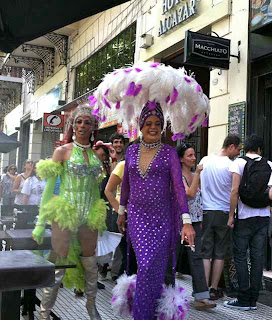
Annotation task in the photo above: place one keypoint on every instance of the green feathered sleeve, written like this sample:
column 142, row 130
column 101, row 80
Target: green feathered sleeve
column 50, row 170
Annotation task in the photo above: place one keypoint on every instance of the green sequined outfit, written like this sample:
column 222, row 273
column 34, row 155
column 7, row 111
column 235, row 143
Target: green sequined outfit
column 78, row 203
column 79, row 199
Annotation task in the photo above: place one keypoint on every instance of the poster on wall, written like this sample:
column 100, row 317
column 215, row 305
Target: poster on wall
column 236, row 117
column 261, row 14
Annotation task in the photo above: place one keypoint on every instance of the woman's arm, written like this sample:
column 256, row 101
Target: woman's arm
column 26, row 199
column 111, row 187
column 16, row 184
column 192, row 189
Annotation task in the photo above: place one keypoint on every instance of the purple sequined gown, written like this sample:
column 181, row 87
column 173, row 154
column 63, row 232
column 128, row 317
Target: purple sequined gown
column 152, row 221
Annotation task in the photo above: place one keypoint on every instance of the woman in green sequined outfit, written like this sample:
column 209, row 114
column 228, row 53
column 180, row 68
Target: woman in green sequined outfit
column 76, row 215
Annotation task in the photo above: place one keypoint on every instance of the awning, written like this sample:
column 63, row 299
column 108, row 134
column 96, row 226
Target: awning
column 25, row 20
column 7, row 144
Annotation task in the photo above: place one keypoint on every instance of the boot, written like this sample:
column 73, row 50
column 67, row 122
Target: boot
column 50, row 295
column 91, row 276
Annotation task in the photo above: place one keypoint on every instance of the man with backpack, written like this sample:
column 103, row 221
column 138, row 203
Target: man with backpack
column 251, row 176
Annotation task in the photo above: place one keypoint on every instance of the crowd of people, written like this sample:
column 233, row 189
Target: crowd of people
column 157, row 197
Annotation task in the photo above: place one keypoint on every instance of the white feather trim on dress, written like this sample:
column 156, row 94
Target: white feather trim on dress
column 126, row 91
column 123, row 295
column 173, row 304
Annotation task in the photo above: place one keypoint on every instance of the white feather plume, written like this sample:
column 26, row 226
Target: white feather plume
column 126, row 90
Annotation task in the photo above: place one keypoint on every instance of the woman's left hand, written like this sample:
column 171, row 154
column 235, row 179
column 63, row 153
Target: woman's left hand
column 188, row 234
column 112, row 152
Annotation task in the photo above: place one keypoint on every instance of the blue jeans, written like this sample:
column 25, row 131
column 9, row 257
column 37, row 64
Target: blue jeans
column 249, row 233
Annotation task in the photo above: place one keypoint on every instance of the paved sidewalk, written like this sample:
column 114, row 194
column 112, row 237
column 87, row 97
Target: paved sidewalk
column 70, row 308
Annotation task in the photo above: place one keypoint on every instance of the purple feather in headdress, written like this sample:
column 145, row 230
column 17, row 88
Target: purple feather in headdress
column 95, row 112
column 127, row 70
column 137, row 90
column 106, row 103
column 167, row 99
column 187, row 79
column 106, row 92
column 118, row 105
column 198, row 88
column 93, row 100
column 174, row 96
column 193, row 121
column 130, row 89
column 205, row 122
column 138, row 69
column 103, row 119
column 155, row 65
column 152, row 105
column 177, row 136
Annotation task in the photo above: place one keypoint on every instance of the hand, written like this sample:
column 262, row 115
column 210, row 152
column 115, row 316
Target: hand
column 121, row 223
column 112, row 152
column 231, row 222
column 199, row 168
column 188, row 234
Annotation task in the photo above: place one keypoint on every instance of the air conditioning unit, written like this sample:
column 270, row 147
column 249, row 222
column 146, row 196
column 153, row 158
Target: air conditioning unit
column 146, row 41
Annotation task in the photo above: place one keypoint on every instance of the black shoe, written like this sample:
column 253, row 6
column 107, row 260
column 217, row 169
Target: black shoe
column 253, row 305
column 78, row 293
column 100, row 285
column 235, row 304
column 214, row 294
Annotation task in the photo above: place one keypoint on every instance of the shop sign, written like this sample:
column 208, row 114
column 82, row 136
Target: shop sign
column 206, row 51
column 261, row 13
column 53, row 122
column 176, row 12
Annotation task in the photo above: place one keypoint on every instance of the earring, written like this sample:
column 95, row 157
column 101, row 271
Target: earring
column 92, row 137
column 73, row 136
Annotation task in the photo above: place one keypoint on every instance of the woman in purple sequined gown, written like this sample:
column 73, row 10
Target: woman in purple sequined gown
column 154, row 196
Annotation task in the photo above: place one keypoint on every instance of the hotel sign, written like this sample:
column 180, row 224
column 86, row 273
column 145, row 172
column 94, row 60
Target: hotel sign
column 206, row 51
column 176, row 12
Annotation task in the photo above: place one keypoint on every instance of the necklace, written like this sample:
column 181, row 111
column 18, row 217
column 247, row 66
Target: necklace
column 150, row 145
column 83, row 147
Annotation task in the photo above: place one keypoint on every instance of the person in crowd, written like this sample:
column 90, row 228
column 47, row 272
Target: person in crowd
column 150, row 168
column 6, row 186
column 33, row 188
column 216, row 181
column 20, row 180
column 249, row 227
column 31, row 191
column 147, row 95
column 118, row 143
column 77, row 214
column 113, row 194
column 102, row 151
column 191, row 182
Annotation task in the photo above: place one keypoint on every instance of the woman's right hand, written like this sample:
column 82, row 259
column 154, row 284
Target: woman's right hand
column 121, row 223
column 199, row 168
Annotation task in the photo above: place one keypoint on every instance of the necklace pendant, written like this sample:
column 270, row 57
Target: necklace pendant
column 82, row 147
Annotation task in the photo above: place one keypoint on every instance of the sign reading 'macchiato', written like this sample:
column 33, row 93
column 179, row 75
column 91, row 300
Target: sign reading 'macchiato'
column 177, row 11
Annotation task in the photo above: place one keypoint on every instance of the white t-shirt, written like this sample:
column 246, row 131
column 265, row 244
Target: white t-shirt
column 34, row 187
column 244, row 211
column 216, row 181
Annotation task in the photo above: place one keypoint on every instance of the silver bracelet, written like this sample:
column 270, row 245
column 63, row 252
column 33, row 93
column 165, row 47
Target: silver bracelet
column 121, row 210
column 186, row 219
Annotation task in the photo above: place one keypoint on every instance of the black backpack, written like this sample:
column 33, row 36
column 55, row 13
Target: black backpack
column 253, row 186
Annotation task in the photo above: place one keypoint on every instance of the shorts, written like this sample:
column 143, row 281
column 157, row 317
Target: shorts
column 216, row 239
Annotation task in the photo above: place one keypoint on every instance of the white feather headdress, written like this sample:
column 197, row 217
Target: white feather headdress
column 125, row 91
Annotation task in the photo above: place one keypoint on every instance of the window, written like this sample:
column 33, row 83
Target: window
column 118, row 53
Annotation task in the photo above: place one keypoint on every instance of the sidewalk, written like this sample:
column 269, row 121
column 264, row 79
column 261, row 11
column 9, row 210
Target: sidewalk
column 70, row 308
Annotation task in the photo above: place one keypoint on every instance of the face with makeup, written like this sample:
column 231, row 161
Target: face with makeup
column 151, row 129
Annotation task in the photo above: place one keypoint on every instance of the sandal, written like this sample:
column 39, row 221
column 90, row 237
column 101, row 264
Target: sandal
column 204, row 304
column 214, row 294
